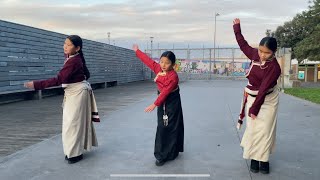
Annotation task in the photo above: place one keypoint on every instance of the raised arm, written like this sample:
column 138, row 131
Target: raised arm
column 155, row 67
column 249, row 51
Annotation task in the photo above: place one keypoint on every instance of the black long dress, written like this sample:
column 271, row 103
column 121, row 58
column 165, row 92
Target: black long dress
column 169, row 139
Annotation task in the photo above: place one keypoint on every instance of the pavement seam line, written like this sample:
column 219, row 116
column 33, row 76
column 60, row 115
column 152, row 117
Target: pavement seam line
column 237, row 132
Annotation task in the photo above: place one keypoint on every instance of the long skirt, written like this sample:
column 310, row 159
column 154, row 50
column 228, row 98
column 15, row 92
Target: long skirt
column 259, row 138
column 78, row 133
column 170, row 137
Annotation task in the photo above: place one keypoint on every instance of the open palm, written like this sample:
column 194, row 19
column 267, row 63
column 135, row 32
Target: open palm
column 236, row 21
column 135, row 47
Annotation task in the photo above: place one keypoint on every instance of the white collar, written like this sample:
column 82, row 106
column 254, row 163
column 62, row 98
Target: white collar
column 70, row 57
column 73, row 55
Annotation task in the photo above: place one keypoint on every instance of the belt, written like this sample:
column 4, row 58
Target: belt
column 172, row 90
column 256, row 95
column 175, row 89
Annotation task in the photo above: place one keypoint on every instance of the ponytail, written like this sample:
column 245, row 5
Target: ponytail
column 77, row 41
column 85, row 69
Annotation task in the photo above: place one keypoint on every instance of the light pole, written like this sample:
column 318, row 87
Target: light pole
column 109, row 37
column 158, row 50
column 214, row 40
column 151, row 44
column 151, row 41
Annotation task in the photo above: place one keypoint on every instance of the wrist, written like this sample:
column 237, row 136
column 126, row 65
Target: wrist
column 253, row 112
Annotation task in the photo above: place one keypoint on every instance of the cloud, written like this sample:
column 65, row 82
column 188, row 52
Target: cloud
column 180, row 21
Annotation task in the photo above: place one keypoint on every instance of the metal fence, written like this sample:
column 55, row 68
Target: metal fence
column 207, row 63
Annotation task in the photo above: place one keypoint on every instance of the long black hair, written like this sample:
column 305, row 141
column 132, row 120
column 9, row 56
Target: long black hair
column 77, row 41
column 170, row 55
column 270, row 43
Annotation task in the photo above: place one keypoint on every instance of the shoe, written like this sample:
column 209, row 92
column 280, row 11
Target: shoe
column 254, row 167
column 75, row 159
column 160, row 162
column 264, row 167
column 66, row 157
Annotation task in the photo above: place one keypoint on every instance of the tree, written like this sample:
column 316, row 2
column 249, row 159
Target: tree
column 269, row 33
column 302, row 26
column 293, row 31
column 309, row 48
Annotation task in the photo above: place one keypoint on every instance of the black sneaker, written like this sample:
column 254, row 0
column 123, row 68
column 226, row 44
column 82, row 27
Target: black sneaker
column 75, row 159
column 254, row 167
column 264, row 167
column 160, row 162
column 66, row 157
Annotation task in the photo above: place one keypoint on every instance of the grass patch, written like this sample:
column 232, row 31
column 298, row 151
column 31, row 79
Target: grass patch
column 310, row 94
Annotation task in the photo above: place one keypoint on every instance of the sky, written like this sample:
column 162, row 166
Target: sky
column 177, row 23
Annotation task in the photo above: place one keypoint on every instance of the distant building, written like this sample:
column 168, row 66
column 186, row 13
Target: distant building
column 306, row 71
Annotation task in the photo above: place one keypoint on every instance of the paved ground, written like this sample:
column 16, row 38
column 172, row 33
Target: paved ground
column 30, row 122
column 212, row 150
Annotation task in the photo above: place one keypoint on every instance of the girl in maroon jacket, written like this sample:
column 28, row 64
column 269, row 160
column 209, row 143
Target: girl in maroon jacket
column 261, row 99
column 79, row 107
column 170, row 129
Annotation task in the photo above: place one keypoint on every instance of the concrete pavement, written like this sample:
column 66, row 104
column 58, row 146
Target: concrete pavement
column 126, row 140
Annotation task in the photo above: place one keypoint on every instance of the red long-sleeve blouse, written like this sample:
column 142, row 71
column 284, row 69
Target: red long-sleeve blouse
column 166, row 84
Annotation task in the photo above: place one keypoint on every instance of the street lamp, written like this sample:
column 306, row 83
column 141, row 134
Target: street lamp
column 151, row 41
column 214, row 40
column 109, row 37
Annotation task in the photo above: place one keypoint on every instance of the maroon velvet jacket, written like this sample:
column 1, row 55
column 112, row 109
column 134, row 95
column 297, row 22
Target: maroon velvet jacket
column 166, row 84
column 72, row 72
column 261, row 78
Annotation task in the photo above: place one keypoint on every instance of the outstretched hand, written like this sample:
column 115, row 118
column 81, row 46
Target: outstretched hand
column 236, row 21
column 150, row 108
column 135, row 47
